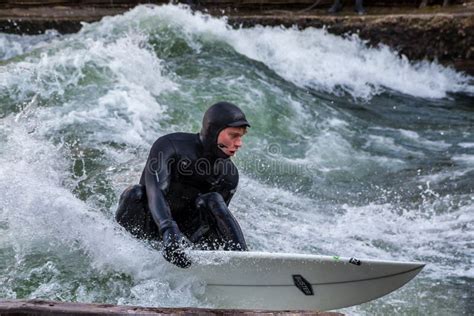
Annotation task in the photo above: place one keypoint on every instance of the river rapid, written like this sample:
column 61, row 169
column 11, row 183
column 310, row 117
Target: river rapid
column 353, row 151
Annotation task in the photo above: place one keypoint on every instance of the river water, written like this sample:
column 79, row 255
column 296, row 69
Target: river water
column 353, row 151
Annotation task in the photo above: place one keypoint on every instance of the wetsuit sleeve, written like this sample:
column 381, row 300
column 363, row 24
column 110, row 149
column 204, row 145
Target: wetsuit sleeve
column 228, row 195
column 157, row 178
column 231, row 186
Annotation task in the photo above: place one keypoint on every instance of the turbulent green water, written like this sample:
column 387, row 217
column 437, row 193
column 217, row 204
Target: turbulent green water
column 352, row 152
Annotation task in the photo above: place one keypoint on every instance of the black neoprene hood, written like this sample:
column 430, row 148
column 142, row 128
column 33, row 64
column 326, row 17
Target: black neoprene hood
column 216, row 118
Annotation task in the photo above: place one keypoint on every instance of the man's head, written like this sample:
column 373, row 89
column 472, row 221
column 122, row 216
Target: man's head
column 223, row 126
column 230, row 139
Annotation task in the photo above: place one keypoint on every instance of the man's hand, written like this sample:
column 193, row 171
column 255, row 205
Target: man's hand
column 174, row 244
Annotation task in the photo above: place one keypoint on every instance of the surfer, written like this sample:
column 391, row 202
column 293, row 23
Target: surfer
column 186, row 187
column 337, row 6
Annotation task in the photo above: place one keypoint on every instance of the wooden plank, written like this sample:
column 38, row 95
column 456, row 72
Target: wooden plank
column 43, row 307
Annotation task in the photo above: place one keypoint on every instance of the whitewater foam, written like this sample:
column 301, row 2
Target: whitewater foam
column 12, row 45
column 311, row 58
column 42, row 216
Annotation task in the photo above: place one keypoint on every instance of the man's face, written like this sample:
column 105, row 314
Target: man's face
column 230, row 139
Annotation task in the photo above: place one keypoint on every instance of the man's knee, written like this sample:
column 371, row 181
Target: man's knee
column 215, row 197
column 134, row 192
column 131, row 198
column 213, row 201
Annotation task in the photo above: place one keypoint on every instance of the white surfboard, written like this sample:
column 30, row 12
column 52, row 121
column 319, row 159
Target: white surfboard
column 277, row 281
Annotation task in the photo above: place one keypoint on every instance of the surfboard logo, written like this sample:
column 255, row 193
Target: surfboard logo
column 355, row 261
column 303, row 284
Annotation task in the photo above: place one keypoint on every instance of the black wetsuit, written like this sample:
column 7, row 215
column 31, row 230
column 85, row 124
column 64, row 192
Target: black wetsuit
column 185, row 189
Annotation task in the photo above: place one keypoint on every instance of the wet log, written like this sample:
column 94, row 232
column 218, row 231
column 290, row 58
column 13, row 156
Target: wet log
column 43, row 307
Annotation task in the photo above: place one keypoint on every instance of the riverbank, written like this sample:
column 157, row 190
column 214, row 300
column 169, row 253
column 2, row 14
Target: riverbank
column 445, row 34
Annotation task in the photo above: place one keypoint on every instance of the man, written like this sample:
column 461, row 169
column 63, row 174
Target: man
column 337, row 6
column 186, row 187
